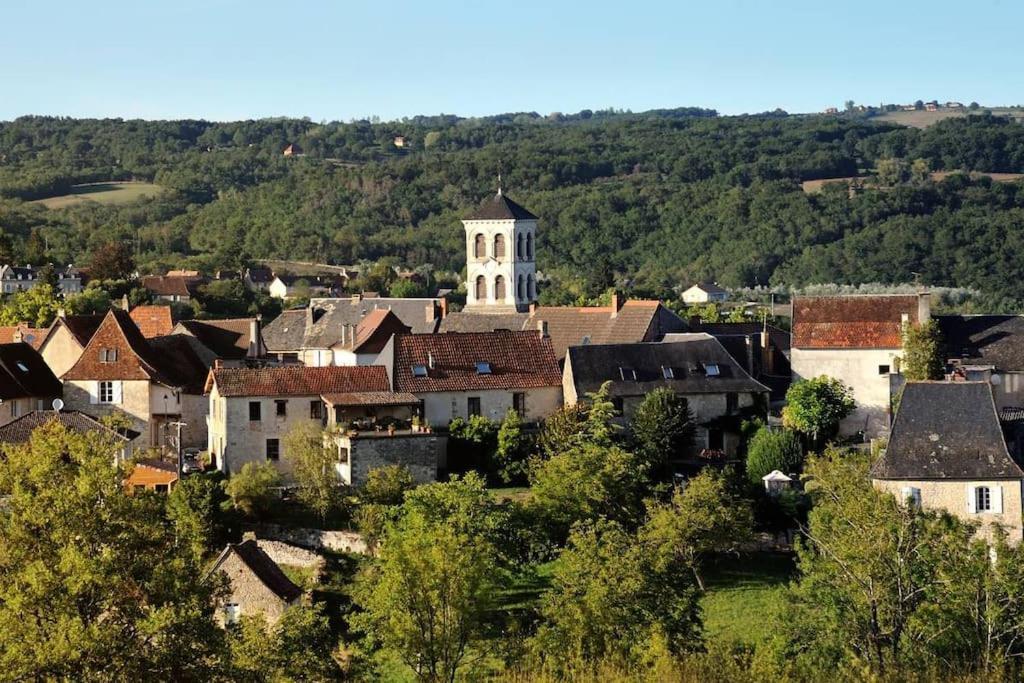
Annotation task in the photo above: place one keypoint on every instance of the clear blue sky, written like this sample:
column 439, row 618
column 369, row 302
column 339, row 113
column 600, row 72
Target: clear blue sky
column 229, row 59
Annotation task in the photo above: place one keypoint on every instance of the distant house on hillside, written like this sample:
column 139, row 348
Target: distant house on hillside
column 19, row 278
column 292, row 150
column 258, row 278
column 704, row 293
column 286, row 286
column 400, row 141
column 173, row 289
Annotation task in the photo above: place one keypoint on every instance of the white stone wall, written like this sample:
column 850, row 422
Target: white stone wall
column 859, row 370
column 61, row 351
column 135, row 403
column 440, row 408
column 14, row 408
column 510, row 266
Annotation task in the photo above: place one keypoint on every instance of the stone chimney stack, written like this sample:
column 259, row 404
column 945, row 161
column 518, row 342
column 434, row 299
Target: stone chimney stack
column 617, row 302
column 255, row 337
column 924, row 307
column 124, row 303
column 542, row 328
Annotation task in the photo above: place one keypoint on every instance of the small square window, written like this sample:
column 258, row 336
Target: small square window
column 627, row 374
column 473, row 406
column 883, row 369
column 255, row 411
column 281, row 408
column 273, row 449
column 668, row 373
column 712, row 369
column 483, row 368
column 419, row 371
column 316, row 410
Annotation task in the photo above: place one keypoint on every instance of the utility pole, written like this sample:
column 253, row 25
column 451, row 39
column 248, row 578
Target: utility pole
column 177, row 444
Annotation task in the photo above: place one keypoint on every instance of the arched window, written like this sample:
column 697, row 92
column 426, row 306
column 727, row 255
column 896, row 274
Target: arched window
column 480, row 248
column 531, row 286
column 499, row 246
column 520, row 248
column 529, row 246
column 499, row 288
column 522, row 283
column 481, row 288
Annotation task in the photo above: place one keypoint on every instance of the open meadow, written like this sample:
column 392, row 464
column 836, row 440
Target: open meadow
column 116, row 193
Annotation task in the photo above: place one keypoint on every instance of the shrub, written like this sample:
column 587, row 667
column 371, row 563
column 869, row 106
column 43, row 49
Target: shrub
column 773, row 449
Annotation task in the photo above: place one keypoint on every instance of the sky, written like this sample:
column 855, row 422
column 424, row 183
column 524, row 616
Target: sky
column 335, row 61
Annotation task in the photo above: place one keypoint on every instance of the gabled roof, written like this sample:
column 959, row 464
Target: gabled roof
column 709, row 288
column 375, row 330
column 228, row 338
column 24, row 373
column 851, row 322
column 984, row 340
column 30, row 335
column 166, row 285
column 517, row 360
column 286, row 332
column 946, row 430
column 501, row 208
column 263, row 568
column 637, row 320
column 152, row 321
column 687, row 362
column 81, row 327
column 20, row 430
column 297, row 380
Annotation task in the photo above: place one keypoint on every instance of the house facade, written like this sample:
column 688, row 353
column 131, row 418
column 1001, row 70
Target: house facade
column 256, row 585
column 859, row 341
column 947, row 452
column 65, row 340
column 26, row 382
column 705, row 293
column 19, row 278
column 170, row 288
column 720, row 393
column 477, row 373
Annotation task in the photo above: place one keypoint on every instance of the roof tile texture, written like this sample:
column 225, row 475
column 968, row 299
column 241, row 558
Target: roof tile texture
column 851, row 322
column 298, row 380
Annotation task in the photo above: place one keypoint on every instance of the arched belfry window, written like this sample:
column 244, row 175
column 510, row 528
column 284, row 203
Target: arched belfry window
column 520, row 248
column 531, row 287
column 480, row 247
column 522, row 284
column 529, row 246
column 481, row 288
column 499, row 246
column 499, row 288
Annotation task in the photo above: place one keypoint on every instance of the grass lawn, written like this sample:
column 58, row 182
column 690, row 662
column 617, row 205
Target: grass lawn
column 742, row 593
column 102, row 193
column 517, row 493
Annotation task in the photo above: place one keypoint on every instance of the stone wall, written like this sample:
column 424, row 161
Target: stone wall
column 316, row 539
column 248, row 592
column 285, row 553
column 419, row 453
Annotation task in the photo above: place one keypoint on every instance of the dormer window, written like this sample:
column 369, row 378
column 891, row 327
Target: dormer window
column 108, row 355
column 712, row 369
column 668, row 373
column 628, row 374
column 419, row 370
column 483, row 367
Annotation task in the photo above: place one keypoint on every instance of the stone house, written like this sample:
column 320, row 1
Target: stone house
column 857, row 340
column 477, row 373
column 256, row 585
column 252, row 409
column 171, row 288
column 705, row 293
column 947, row 451
column 258, row 278
column 762, row 350
column 16, row 279
column 986, row 348
column 420, row 453
column 65, row 340
column 154, row 382
column 232, row 341
column 695, row 366
column 26, row 382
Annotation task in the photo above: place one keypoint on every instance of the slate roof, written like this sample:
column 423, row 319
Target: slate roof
column 851, row 322
column 20, row 429
column 777, row 336
column 264, row 568
column 286, row 332
column 946, row 430
column 298, row 380
column 163, row 285
column 500, row 208
column 984, row 340
column 81, row 327
column 329, row 314
column 518, row 360
column 228, row 338
column 260, row 275
column 687, row 358
column 637, row 320
column 710, row 288
column 152, row 321
column 24, row 373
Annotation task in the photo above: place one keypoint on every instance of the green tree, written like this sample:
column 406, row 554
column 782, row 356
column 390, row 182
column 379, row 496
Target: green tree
column 773, row 449
column 815, row 407
column 922, row 352
column 313, row 465
column 112, row 261
column 387, row 485
column 662, row 428
column 472, row 443
column 37, row 306
column 702, row 519
column 91, row 300
column 427, row 595
column 407, row 288
column 891, row 171
column 513, row 448
column 252, row 488
column 194, row 508
column 108, row 595
column 562, row 429
column 920, row 170
column 299, row 647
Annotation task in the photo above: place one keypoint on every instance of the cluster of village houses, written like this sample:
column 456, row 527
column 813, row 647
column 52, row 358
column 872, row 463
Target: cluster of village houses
column 387, row 376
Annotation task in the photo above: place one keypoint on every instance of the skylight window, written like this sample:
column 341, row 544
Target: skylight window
column 419, row 370
column 668, row 373
column 21, row 366
column 483, row 367
column 712, row 369
column 628, row 374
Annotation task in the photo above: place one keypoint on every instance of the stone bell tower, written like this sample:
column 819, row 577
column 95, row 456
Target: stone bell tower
column 501, row 276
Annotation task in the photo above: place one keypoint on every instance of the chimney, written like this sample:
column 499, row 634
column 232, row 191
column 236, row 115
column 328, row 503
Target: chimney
column 444, row 306
column 218, row 363
column 695, row 323
column 767, row 357
column 61, row 313
column 255, row 338
column 533, row 308
column 924, row 307
column 617, row 302
column 749, row 339
column 431, row 312
column 124, row 303
column 430, row 360
column 542, row 327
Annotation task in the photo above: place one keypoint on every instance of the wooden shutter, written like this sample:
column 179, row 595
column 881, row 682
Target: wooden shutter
column 996, row 498
column 971, row 499
column 94, row 392
column 116, row 392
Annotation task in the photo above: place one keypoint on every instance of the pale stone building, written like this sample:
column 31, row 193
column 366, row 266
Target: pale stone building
column 859, row 341
column 947, row 452
column 26, row 382
column 501, row 274
column 66, row 339
column 705, row 293
column 256, row 585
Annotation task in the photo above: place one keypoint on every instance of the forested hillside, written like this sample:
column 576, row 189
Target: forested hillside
column 646, row 201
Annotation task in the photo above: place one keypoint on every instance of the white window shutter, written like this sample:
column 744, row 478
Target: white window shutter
column 117, row 392
column 94, row 392
column 915, row 493
column 971, row 499
column 906, row 493
column 996, row 493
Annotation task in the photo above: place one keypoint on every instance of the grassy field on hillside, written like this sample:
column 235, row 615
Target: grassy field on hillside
column 923, row 119
column 102, row 193
column 743, row 594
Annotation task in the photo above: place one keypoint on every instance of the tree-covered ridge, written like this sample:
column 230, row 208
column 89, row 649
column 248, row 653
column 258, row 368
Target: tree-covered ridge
column 644, row 201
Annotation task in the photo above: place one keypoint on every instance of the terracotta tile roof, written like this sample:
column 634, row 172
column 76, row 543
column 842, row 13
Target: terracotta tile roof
column 20, row 430
column 518, row 360
column 499, row 207
column 162, row 465
column 264, row 568
column 297, row 380
column 227, row 338
column 24, row 373
column 375, row 330
column 163, row 285
column 851, row 322
column 371, row 398
column 153, row 321
column 30, row 335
